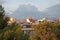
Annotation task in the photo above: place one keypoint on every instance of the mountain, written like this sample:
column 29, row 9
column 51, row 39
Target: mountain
column 53, row 11
column 25, row 11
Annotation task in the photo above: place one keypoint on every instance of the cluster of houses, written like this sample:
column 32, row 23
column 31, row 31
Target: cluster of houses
column 26, row 23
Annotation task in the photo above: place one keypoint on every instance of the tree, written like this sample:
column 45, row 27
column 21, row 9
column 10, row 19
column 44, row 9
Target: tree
column 43, row 31
column 12, row 32
column 24, row 36
column 56, row 28
column 3, row 21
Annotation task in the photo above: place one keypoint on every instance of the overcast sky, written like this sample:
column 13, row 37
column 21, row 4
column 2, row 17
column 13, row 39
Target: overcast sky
column 12, row 5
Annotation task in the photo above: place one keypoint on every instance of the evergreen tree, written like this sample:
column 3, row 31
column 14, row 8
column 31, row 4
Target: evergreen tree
column 3, row 21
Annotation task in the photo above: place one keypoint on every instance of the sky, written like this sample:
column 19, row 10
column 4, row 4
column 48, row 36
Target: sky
column 11, row 5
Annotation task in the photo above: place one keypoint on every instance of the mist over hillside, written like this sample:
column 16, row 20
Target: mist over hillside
column 25, row 11
column 53, row 11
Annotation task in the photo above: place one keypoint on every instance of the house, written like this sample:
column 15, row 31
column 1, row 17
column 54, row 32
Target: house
column 30, row 20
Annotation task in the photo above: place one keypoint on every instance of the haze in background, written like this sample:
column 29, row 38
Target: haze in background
column 38, row 8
